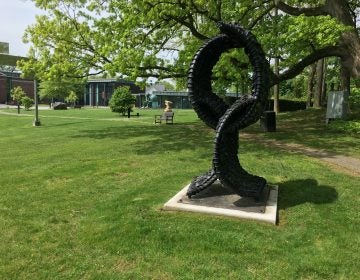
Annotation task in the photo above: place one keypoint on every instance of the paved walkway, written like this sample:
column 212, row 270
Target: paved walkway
column 142, row 120
column 5, row 106
column 342, row 163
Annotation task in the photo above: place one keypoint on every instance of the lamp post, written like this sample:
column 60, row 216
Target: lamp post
column 36, row 120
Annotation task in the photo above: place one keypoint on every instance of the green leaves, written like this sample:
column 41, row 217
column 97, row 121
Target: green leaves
column 316, row 32
column 121, row 100
column 17, row 93
column 60, row 89
column 72, row 97
column 232, row 73
column 158, row 38
column 27, row 102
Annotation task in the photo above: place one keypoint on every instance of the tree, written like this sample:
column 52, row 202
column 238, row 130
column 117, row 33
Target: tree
column 347, row 47
column 17, row 94
column 121, row 100
column 158, row 38
column 60, row 89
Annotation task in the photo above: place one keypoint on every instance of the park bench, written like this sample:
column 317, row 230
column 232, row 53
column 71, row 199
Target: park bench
column 168, row 117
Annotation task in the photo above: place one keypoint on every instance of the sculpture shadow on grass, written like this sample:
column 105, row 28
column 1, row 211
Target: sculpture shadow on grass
column 296, row 192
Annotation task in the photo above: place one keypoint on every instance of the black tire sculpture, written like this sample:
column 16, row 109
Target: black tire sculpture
column 227, row 121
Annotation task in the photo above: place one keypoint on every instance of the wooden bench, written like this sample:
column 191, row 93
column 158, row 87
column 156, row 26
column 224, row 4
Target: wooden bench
column 168, row 117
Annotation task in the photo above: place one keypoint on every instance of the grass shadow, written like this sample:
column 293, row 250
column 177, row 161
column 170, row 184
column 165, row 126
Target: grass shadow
column 155, row 139
column 296, row 192
column 308, row 128
column 63, row 123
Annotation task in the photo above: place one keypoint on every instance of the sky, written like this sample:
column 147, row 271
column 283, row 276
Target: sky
column 15, row 16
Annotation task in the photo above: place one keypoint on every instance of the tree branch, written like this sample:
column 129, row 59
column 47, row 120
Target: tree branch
column 306, row 61
column 85, row 75
column 190, row 26
column 187, row 21
column 255, row 21
column 217, row 14
column 152, row 71
column 313, row 11
column 162, row 76
column 154, row 67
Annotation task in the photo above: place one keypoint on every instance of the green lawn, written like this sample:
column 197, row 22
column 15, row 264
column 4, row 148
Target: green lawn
column 81, row 198
column 308, row 127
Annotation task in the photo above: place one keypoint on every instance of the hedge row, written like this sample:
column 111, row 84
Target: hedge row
column 285, row 105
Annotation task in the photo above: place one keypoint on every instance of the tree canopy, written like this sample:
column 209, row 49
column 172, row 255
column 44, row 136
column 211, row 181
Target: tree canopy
column 156, row 38
column 60, row 88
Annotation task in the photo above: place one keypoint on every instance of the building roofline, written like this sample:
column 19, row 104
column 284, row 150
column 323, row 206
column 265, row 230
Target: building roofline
column 168, row 92
column 108, row 80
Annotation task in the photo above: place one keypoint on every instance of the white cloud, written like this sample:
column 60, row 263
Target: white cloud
column 15, row 16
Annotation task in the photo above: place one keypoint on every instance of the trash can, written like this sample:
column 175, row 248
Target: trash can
column 268, row 121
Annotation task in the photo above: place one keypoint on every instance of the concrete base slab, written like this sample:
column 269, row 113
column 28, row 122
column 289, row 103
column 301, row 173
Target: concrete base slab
column 218, row 200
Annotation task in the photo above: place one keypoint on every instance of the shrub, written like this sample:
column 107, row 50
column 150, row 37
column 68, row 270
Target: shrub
column 287, row 105
column 354, row 98
column 27, row 102
column 350, row 126
column 71, row 98
column 121, row 100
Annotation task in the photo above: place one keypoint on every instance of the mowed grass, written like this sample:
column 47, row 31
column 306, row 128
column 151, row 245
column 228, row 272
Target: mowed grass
column 81, row 198
column 308, row 127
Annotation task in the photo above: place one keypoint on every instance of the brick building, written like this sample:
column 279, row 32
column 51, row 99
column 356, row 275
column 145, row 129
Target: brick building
column 10, row 80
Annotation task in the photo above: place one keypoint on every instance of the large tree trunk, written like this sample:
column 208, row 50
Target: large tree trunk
column 276, row 88
column 310, row 87
column 348, row 48
column 319, row 83
column 350, row 42
column 345, row 85
column 324, row 85
column 276, row 71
